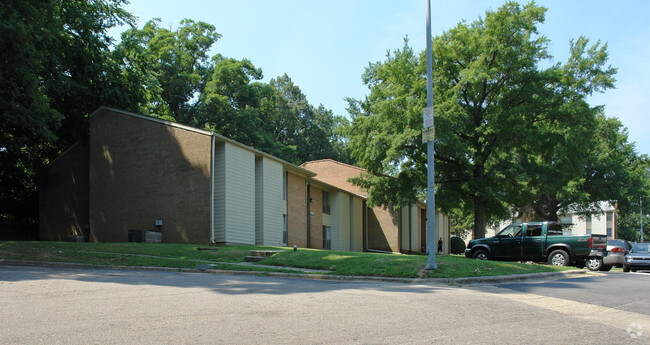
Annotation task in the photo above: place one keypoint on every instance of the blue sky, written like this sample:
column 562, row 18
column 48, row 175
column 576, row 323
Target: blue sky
column 325, row 45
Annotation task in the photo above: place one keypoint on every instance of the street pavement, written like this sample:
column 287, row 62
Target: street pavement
column 64, row 305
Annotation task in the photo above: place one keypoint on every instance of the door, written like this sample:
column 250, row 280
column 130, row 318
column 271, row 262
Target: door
column 507, row 243
column 532, row 244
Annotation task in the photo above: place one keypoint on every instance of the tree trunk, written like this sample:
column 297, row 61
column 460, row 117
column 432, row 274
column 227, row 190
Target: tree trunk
column 479, row 218
column 479, row 202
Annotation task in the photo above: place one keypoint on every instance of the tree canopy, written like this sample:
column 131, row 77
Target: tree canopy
column 54, row 70
column 512, row 136
column 59, row 64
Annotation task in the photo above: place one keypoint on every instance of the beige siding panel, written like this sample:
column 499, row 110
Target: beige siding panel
column 270, row 225
column 442, row 231
column 259, row 200
column 409, row 228
column 344, row 221
column 220, row 193
column 356, row 224
column 239, row 195
column 404, row 228
column 334, row 221
column 414, row 228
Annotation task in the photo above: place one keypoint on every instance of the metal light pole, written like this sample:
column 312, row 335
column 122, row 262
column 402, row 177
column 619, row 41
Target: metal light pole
column 430, row 129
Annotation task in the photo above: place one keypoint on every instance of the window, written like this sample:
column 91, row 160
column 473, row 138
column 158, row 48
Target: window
column 554, row 229
column 327, row 237
column 511, row 231
column 610, row 223
column 326, row 203
column 533, row 230
column 588, row 221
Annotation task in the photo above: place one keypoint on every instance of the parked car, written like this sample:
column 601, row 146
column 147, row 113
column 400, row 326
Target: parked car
column 615, row 254
column 540, row 241
column 638, row 258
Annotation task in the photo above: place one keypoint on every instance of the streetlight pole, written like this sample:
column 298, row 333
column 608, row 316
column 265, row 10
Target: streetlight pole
column 641, row 217
column 429, row 127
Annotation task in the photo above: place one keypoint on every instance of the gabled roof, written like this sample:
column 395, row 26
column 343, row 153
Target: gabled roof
column 336, row 174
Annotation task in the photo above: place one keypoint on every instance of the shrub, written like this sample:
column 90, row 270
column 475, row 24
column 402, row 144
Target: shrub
column 457, row 245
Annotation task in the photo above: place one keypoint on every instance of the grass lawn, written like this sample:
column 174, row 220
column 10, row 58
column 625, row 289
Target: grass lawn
column 224, row 257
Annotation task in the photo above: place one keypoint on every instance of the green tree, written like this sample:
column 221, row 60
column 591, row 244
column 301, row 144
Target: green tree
column 167, row 69
column 508, row 130
column 628, row 227
column 312, row 132
column 235, row 103
column 384, row 130
column 55, row 70
column 565, row 163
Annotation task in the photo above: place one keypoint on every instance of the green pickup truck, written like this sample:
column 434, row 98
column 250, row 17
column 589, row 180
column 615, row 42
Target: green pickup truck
column 541, row 241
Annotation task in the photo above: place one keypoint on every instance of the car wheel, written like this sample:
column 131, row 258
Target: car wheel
column 606, row 268
column 626, row 269
column 480, row 254
column 594, row 264
column 559, row 258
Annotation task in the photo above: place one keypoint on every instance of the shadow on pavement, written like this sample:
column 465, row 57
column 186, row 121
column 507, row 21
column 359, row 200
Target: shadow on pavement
column 232, row 284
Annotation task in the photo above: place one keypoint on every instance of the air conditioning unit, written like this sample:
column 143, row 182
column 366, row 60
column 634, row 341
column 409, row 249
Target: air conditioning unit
column 153, row 237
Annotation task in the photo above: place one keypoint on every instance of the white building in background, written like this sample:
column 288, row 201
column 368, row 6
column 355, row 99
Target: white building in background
column 601, row 223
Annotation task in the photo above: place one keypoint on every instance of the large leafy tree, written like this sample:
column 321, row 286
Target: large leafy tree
column 309, row 131
column 54, row 70
column 167, row 70
column 507, row 128
column 559, row 164
column 234, row 104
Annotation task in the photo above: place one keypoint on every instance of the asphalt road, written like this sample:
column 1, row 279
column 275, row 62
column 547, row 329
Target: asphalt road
column 53, row 305
column 622, row 291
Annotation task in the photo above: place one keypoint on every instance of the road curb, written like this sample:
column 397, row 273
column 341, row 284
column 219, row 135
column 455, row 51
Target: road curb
column 486, row 280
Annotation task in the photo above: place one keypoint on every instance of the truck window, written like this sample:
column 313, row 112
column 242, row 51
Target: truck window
column 511, row 231
column 554, row 229
column 533, row 230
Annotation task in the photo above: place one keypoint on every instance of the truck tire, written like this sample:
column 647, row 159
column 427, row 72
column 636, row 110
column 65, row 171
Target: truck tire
column 626, row 268
column 480, row 254
column 594, row 263
column 559, row 258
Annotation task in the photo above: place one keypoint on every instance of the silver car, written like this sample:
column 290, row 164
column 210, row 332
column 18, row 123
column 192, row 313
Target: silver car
column 638, row 258
column 615, row 254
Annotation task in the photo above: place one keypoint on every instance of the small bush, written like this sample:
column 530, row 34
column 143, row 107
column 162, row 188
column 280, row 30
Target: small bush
column 457, row 245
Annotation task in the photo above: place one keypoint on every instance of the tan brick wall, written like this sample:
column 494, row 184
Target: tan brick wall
column 142, row 170
column 296, row 210
column 383, row 229
column 63, row 195
column 316, row 217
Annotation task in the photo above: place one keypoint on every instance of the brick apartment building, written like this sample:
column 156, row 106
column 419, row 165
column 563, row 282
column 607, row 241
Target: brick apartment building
column 135, row 176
